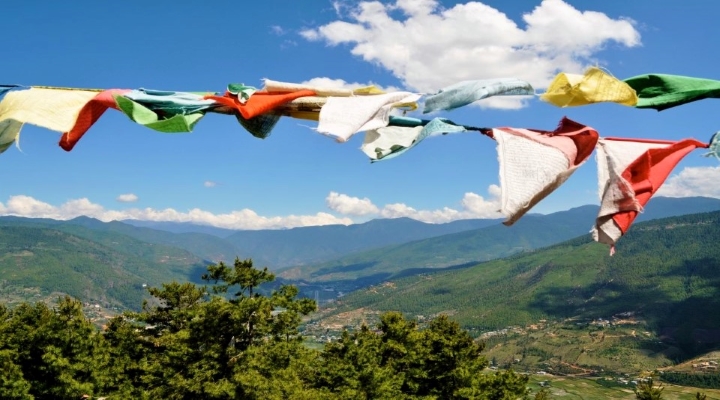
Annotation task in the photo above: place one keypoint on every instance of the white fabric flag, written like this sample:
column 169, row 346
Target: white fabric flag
column 342, row 117
column 535, row 163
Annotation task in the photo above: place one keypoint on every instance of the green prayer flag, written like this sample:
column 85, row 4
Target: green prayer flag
column 144, row 116
column 660, row 91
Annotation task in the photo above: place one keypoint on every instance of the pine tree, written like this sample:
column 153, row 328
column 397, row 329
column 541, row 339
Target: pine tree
column 646, row 390
column 57, row 351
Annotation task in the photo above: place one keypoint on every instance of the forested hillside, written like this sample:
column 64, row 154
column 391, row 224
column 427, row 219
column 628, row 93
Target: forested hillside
column 108, row 268
column 202, row 245
column 665, row 271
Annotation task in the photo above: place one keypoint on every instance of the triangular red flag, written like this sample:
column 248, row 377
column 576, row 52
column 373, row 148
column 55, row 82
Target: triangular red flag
column 630, row 171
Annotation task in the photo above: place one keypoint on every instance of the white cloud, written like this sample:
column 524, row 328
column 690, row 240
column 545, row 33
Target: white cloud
column 127, row 198
column 326, row 82
column 79, row 207
column 693, row 181
column 477, row 205
column 348, row 205
column 398, row 210
column 473, row 206
column 26, row 206
column 339, row 6
column 310, row 34
column 432, row 47
column 278, row 30
column 209, row 184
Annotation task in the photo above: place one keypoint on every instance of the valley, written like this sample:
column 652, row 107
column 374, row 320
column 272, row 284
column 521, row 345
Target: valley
column 554, row 304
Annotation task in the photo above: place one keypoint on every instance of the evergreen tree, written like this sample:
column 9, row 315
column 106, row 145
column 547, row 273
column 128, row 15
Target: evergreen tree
column 12, row 382
column 228, row 341
column 398, row 360
column 57, row 351
column 646, row 390
column 200, row 341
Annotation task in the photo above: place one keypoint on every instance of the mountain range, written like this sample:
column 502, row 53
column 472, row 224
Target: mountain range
column 482, row 244
column 111, row 261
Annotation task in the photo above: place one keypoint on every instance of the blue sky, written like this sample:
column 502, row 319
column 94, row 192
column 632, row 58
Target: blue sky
column 296, row 176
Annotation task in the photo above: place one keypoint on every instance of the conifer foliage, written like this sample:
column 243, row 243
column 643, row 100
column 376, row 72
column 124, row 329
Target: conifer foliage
column 226, row 340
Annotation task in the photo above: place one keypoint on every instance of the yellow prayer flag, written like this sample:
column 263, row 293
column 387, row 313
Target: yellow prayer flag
column 570, row 90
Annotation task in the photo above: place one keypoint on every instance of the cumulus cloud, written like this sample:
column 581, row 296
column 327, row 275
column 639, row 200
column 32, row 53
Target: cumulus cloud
column 326, row 82
column 430, row 47
column 472, row 206
column 127, row 198
column 693, row 181
column 26, row 206
column 348, row 205
column 209, row 184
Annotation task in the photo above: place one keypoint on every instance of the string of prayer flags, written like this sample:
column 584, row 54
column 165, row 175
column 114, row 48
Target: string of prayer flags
column 532, row 163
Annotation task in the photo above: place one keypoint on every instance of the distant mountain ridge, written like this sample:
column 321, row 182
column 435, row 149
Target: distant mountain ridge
column 403, row 241
column 319, row 243
column 274, row 248
column 303, row 246
column 180, row 227
column 90, row 259
column 495, row 241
